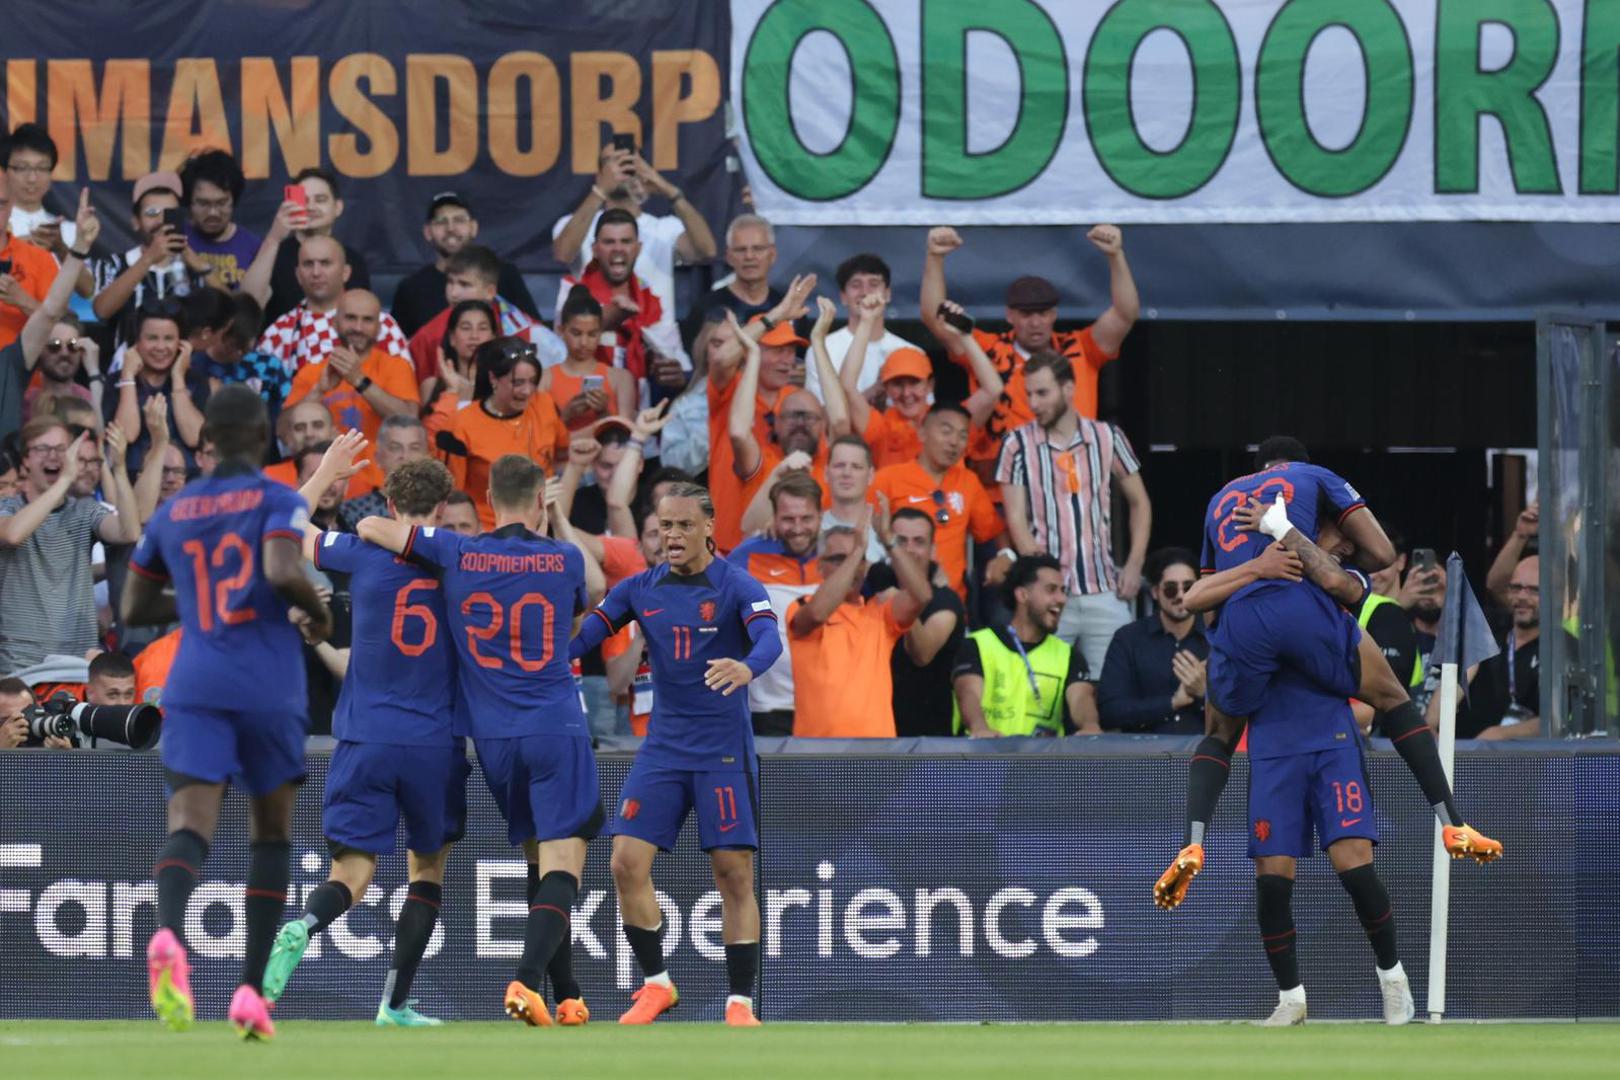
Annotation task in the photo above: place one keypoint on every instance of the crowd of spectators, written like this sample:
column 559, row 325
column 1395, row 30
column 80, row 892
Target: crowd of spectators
column 976, row 565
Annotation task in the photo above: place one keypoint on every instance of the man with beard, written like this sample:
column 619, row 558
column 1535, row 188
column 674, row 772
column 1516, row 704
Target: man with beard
column 309, row 332
column 785, row 563
column 298, row 428
column 800, row 423
column 1504, row 692
column 476, row 273
column 1056, row 473
column 624, row 181
column 1022, row 679
column 638, row 327
column 450, row 227
column 1153, row 679
column 211, row 184
column 360, row 382
column 400, row 439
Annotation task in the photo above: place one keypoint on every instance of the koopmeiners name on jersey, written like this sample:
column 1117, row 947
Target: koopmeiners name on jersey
column 491, row 562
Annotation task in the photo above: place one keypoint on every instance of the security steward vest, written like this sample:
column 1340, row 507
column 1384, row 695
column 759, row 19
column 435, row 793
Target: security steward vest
column 1373, row 602
column 1011, row 704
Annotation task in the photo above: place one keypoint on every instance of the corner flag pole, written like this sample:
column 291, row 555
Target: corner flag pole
column 1440, row 890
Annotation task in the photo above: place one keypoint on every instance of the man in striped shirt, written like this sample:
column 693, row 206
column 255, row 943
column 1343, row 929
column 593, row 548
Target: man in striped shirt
column 1056, row 474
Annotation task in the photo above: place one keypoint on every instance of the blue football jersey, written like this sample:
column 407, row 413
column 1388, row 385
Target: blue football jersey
column 1309, row 491
column 688, row 621
column 398, row 688
column 1299, row 717
column 237, row 649
column 510, row 598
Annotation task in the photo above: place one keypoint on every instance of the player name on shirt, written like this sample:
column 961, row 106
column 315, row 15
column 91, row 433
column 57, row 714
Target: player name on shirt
column 493, row 562
column 193, row 507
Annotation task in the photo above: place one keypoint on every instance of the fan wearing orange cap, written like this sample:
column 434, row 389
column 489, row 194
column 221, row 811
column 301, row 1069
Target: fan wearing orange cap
column 908, row 382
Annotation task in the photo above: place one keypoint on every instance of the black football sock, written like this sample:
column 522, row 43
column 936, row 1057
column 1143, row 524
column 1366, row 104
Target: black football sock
column 269, row 868
column 411, row 935
column 533, row 884
column 326, row 903
column 1274, row 895
column 178, row 867
column 742, row 967
column 548, row 926
column 1376, row 913
column 648, row 945
column 1207, row 773
column 561, row 970
column 1415, row 743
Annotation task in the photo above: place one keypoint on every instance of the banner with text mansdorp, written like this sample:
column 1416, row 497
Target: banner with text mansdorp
column 1040, row 111
column 506, row 101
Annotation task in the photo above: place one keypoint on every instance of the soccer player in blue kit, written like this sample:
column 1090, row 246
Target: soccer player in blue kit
column 397, row 756
column 230, row 545
column 512, row 598
column 699, row 614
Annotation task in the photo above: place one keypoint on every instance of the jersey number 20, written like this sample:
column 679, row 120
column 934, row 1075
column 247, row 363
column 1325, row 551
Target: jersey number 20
column 512, row 618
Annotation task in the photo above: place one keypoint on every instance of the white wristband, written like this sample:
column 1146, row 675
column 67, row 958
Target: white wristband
column 1010, row 554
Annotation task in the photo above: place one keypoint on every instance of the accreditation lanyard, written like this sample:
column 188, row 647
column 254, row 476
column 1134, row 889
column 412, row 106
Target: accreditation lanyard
column 1029, row 668
column 1513, row 672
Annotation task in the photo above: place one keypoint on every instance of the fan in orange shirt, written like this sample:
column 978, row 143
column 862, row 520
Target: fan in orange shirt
column 508, row 416
column 939, row 484
column 470, row 324
column 359, row 382
column 27, row 277
column 908, row 382
column 583, row 388
column 1032, row 304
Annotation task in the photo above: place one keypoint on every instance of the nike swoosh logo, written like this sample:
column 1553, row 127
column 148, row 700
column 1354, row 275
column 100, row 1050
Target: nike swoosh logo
column 777, row 573
column 650, row 614
column 1345, row 823
column 728, row 828
column 918, row 498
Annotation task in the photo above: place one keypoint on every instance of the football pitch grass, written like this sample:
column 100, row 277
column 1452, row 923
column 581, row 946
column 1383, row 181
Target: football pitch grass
column 486, row 1051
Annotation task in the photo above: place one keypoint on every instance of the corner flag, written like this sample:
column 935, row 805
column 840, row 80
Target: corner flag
column 1464, row 637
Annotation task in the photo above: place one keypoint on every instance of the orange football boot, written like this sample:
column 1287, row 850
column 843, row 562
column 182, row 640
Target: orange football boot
column 526, row 1005
column 1171, row 888
column 1466, row 842
column 573, row 1013
column 651, row 1001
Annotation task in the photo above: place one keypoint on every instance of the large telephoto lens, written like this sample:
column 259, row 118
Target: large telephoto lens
column 136, row 726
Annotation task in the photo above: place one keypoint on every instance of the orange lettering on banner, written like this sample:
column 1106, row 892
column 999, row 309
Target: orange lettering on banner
column 423, row 73
column 545, row 106
column 592, row 110
column 265, row 107
column 353, row 105
column 21, row 92
column 195, row 97
column 670, row 110
column 122, row 111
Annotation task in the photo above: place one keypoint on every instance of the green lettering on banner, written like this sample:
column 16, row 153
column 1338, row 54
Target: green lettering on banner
column 875, row 91
column 1111, row 121
column 1600, row 98
column 1463, row 94
column 949, row 169
column 1279, row 91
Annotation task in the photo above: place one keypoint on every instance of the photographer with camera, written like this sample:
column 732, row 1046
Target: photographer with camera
column 16, row 700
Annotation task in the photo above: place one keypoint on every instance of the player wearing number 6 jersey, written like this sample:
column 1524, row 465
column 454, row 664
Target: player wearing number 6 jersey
column 511, row 600
column 397, row 756
column 229, row 543
column 698, row 614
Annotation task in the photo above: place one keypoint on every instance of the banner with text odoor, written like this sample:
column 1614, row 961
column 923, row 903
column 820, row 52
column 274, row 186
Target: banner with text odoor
column 1046, row 112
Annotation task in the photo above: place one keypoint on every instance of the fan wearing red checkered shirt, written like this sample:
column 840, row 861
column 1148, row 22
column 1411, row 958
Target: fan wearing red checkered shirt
column 309, row 332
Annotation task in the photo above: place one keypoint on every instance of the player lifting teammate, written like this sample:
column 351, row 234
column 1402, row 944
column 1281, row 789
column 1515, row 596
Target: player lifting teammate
column 396, row 756
column 1299, row 626
column 511, row 598
column 698, row 615
column 230, row 543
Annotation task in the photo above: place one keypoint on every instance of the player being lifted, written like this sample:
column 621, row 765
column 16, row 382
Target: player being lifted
column 1300, row 626
column 512, row 597
column 698, row 614
column 230, row 543
column 396, row 756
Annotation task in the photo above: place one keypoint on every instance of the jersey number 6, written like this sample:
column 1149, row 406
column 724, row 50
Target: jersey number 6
column 403, row 609
column 512, row 618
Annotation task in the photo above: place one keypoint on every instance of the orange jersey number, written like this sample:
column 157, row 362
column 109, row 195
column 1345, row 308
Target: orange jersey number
column 217, row 600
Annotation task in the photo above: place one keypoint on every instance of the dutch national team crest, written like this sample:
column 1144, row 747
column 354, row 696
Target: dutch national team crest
column 1262, row 830
column 706, row 611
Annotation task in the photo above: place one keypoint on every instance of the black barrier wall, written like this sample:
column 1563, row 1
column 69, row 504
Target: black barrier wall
column 894, row 887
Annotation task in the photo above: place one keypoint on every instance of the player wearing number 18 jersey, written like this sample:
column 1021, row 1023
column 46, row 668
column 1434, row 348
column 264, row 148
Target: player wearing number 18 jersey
column 396, row 755
column 511, row 598
column 699, row 614
column 230, row 545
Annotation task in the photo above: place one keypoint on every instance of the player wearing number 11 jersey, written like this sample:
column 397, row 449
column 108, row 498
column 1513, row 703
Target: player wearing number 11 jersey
column 511, row 598
column 396, row 756
column 699, row 614
column 235, row 707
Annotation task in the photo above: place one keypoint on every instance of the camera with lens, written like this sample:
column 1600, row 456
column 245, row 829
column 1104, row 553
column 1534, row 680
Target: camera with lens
column 66, row 717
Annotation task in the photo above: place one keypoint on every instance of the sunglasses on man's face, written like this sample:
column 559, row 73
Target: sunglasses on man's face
column 1173, row 589
column 57, row 345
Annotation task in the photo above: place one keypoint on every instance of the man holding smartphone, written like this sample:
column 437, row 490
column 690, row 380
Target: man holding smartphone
column 159, row 267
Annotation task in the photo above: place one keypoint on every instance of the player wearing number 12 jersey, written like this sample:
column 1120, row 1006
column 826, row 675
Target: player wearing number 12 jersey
column 698, row 615
column 396, row 755
column 230, row 545
column 511, row 600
